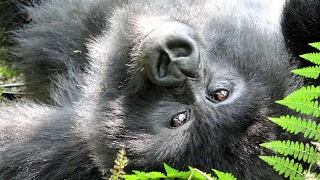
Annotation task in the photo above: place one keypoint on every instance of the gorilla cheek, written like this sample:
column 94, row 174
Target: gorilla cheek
column 170, row 54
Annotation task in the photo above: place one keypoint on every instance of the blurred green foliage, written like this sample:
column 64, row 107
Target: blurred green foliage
column 8, row 73
column 5, row 70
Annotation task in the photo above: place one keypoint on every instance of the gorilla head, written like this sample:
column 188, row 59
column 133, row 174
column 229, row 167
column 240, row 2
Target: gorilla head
column 186, row 83
column 191, row 89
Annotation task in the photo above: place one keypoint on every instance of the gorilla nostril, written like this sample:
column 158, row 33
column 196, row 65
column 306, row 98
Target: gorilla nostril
column 174, row 50
column 179, row 49
column 163, row 65
column 170, row 54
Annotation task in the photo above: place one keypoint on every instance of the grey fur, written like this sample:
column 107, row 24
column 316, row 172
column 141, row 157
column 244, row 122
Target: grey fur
column 104, row 101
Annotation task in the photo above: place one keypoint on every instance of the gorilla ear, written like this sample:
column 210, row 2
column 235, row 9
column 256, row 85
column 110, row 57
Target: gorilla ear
column 300, row 25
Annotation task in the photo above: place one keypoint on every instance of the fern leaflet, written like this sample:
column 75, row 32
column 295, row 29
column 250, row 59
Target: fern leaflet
column 301, row 105
column 298, row 150
column 312, row 57
column 139, row 175
column 295, row 125
column 285, row 166
column 308, row 72
column 224, row 176
column 174, row 173
column 315, row 45
column 308, row 92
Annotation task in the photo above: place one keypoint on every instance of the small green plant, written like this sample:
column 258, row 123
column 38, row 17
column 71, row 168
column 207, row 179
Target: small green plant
column 304, row 101
column 172, row 173
column 120, row 162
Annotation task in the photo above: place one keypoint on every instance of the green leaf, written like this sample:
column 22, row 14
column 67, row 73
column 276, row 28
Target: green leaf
column 309, row 128
column 315, row 45
column 298, row 150
column 285, row 166
column 312, row 57
column 302, row 105
column 224, row 176
column 169, row 170
column 144, row 175
column 308, row 72
column 173, row 173
column 308, row 93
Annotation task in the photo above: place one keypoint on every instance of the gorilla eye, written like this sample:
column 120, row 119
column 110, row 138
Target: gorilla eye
column 179, row 119
column 218, row 95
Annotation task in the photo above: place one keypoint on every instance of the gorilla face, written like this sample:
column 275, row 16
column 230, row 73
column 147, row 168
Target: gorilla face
column 186, row 83
column 189, row 91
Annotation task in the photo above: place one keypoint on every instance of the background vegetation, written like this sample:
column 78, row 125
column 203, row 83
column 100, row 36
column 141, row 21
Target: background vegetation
column 8, row 74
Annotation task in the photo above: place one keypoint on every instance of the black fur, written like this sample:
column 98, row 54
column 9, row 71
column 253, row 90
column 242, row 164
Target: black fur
column 141, row 64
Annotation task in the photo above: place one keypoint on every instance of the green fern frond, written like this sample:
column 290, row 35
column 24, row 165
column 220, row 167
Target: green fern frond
column 299, row 151
column 224, row 176
column 301, row 105
column 308, row 92
column 295, row 125
column 308, row 72
column 285, row 166
column 312, row 57
column 315, row 45
column 304, row 101
column 139, row 175
column 174, row 173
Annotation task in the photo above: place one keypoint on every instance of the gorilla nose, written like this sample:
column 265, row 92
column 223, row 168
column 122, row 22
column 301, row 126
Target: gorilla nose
column 170, row 54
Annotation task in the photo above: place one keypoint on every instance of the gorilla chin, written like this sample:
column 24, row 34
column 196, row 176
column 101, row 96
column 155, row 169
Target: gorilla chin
column 186, row 83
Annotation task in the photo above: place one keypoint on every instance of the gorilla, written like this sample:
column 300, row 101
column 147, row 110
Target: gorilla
column 182, row 82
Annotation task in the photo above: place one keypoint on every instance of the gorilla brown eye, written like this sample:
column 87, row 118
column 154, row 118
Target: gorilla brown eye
column 219, row 95
column 179, row 119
